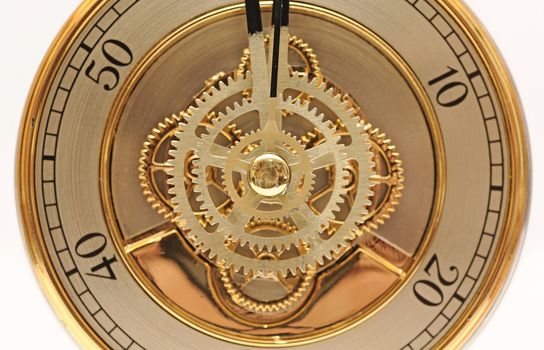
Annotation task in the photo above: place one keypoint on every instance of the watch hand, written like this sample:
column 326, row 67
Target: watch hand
column 253, row 15
column 280, row 22
column 259, row 71
column 278, row 62
column 265, row 85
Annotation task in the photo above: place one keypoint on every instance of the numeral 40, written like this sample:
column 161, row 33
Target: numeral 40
column 92, row 246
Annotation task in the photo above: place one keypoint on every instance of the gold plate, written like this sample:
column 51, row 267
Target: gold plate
column 354, row 176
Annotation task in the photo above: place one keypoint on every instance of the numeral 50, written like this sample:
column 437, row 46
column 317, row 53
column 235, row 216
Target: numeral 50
column 118, row 55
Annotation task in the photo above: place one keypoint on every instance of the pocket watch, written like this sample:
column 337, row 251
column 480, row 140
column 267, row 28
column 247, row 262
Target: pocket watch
column 235, row 175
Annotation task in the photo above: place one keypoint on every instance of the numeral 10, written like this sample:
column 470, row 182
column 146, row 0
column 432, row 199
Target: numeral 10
column 451, row 92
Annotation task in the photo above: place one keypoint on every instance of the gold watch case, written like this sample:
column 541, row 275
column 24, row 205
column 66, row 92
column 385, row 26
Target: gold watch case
column 378, row 201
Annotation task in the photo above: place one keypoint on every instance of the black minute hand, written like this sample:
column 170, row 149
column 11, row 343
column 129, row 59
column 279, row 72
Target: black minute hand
column 280, row 18
column 253, row 13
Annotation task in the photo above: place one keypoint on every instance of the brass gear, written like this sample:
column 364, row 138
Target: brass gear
column 378, row 212
column 252, row 305
column 389, row 166
column 165, row 130
column 149, row 165
column 300, row 188
column 304, row 234
column 235, row 290
column 297, row 45
column 214, row 244
column 392, row 178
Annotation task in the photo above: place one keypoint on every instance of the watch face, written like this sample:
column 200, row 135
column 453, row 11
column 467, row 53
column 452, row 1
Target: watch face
column 209, row 174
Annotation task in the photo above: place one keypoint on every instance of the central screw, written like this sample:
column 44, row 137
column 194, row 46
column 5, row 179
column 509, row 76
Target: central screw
column 269, row 175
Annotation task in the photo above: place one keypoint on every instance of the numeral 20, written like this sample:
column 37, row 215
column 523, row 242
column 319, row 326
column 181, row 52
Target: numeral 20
column 118, row 55
column 429, row 291
column 451, row 93
column 91, row 246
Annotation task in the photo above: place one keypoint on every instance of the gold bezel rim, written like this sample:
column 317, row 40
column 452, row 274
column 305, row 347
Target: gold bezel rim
column 471, row 318
column 342, row 326
column 503, row 265
column 47, row 277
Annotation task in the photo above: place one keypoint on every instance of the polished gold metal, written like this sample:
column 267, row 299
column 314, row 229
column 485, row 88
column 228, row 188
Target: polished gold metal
column 257, row 302
column 270, row 138
column 269, row 175
column 161, row 134
column 78, row 176
column 395, row 264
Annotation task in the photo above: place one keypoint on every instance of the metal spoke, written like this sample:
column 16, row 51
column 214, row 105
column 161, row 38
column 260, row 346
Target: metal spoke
column 217, row 156
column 302, row 217
column 390, row 259
column 321, row 157
column 151, row 236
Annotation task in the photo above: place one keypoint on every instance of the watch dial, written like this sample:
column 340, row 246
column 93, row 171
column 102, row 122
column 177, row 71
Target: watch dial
column 203, row 174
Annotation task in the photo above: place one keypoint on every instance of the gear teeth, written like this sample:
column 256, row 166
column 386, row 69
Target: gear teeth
column 241, row 243
column 335, row 209
column 347, row 106
column 315, row 81
column 198, row 197
column 320, row 250
column 360, row 122
column 192, row 111
column 328, row 255
column 174, row 198
column 222, row 85
column 221, row 115
column 291, row 271
column 213, row 91
column 351, row 110
column 237, row 268
column 211, row 254
column 330, row 91
column 192, row 237
column 172, row 153
column 199, row 102
column 206, row 138
column 328, row 123
column 176, row 143
column 321, row 259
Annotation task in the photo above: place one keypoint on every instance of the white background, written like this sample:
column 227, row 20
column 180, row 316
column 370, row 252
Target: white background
column 28, row 27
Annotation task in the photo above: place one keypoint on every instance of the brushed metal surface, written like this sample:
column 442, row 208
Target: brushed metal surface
column 355, row 65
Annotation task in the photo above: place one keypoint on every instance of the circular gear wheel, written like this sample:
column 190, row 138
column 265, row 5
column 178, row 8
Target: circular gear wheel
column 238, row 162
column 309, row 224
column 294, row 207
column 296, row 288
